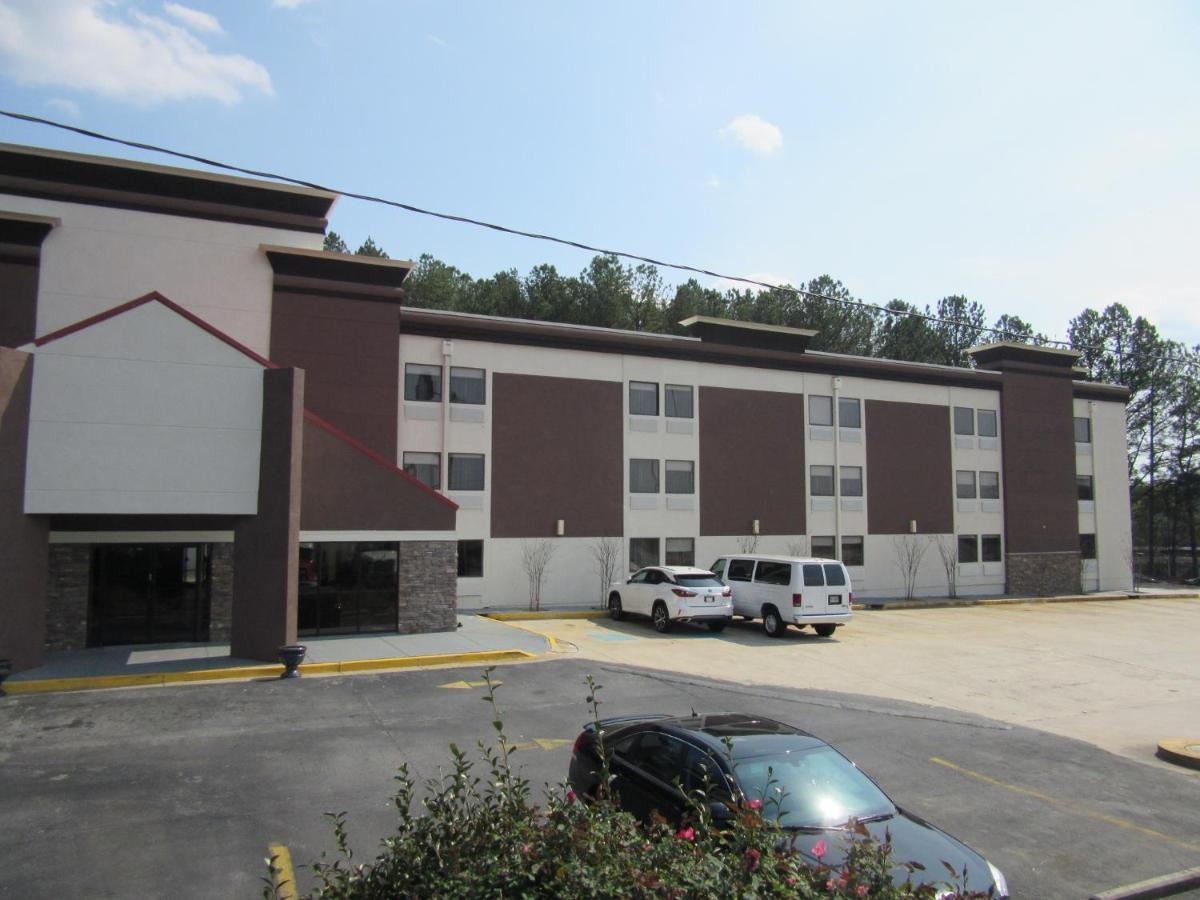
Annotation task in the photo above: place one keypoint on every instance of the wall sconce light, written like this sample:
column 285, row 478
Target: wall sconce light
column 560, row 527
column 912, row 526
column 754, row 526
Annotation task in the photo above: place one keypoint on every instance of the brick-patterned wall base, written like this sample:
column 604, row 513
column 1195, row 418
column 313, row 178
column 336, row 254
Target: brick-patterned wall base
column 67, row 596
column 428, row 586
column 220, row 614
column 1043, row 574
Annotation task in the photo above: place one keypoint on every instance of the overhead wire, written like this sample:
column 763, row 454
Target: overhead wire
column 566, row 242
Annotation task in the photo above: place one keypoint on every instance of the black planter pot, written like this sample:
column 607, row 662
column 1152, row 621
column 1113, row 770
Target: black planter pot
column 5, row 671
column 291, row 655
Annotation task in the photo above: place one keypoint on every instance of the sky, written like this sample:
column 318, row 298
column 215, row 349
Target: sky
column 1040, row 158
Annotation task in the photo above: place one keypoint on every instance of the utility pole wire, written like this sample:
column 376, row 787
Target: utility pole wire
column 533, row 235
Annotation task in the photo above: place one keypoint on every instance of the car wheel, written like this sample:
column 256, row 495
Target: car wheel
column 718, row 625
column 825, row 630
column 772, row 624
column 615, row 612
column 661, row 618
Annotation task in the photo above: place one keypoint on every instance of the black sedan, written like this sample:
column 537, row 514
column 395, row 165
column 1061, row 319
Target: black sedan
column 813, row 791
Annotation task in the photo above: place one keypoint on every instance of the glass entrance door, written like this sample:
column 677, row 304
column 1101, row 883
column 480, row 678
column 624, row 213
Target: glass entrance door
column 149, row 594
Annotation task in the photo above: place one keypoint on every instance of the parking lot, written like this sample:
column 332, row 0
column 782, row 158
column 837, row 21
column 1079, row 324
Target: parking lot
column 178, row 791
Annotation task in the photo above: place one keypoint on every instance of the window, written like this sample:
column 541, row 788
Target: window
column 968, row 548
column 990, row 547
column 422, row 382
column 964, row 420
column 643, row 398
column 987, row 422
column 740, row 570
column 820, row 410
column 821, row 478
column 642, row 552
column 678, row 401
column 964, row 485
column 835, row 575
column 823, row 546
column 681, row 476
column 467, row 385
column 849, row 412
column 425, row 467
column 466, row 472
column 470, row 559
column 348, row 587
column 773, row 573
column 1083, row 430
column 718, row 569
column 989, row 485
column 681, row 551
column 1087, row 546
column 814, row 575
column 1084, row 485
column 643, row 476
column 852, row 550
column 852, row 482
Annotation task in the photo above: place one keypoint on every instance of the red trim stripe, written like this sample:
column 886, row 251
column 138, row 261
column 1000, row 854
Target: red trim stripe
column 372, row 455
column 169, row 304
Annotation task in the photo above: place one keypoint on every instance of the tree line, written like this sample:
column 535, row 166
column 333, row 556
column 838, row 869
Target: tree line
column 1116, row 347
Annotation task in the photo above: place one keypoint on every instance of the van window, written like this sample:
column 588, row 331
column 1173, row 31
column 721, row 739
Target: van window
column 773, row 573
column 740, row 570
column 813, row 576
column 718, row 568
column 834, row 574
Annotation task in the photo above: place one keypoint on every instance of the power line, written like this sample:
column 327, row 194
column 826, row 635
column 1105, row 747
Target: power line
column 533, row 235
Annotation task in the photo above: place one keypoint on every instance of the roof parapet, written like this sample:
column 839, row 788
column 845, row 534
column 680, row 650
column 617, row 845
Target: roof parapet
column 713, row 330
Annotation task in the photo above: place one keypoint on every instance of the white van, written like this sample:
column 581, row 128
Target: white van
column 783, row 590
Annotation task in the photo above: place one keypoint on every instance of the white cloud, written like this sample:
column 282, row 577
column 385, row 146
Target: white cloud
column 68, row 108
column 287, row 4
column 712, row 182
column 434, row 39
column 119, row 53
column 194, row 18
column 754, row 133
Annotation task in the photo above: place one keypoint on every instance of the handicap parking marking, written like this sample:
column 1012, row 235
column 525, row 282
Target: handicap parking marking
column 612, row 637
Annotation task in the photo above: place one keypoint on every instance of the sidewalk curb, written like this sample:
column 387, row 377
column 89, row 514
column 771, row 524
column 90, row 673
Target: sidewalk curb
column 1163, row 886
column 522, row 615
column 248, row 673
column 1179, row 751
column 283, row 874
column 1013, row 601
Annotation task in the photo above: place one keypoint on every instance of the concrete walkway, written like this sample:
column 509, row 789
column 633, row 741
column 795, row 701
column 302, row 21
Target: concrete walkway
column 478, row 639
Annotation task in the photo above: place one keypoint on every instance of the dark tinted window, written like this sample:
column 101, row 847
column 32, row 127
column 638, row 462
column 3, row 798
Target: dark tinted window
column 659, row 755
column 989, row 485
column 1083, row 430
column 968, row 548
column 773, row 573
column 678, row 398
column 719, row 568
column 643, row 398
column 639, row 577
column 1084, row 484
column 964, row 420
column 422, row 382
column 1087, row 546
column 991, row 547
column 835, row 575
column 820, row 410
column 643, row 552
column 821, row 479
column 814, row 575
column 852, row 550
column 701, row 773
column 466, row 472
column 467, row 385
column 849, row 412
column 470, row 559
column 697, row 581
column 987, row 422
column 740, row 570
column 643, row 476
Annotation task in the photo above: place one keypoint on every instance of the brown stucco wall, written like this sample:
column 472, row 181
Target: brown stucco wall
column 266, row 546
column 350, row 352
column 428, row 583
column 556, row 454
column 908, row 468
column 346, row 489
column 751, row 462
column 24, row 548
column 1041, row 505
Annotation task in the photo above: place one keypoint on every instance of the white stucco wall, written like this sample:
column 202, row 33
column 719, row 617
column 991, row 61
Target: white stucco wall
column 1108, row 516
column 100, row 257
column 144, row 413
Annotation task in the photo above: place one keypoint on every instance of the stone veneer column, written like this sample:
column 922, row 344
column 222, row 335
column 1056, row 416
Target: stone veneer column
column 70, row 585
column 428, row 578
column 220, row 587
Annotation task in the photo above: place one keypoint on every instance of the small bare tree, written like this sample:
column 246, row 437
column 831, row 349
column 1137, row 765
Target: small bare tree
column 909, row 550
column 606, row 556
column 535, row 558
column 948, row 550
column 748, row 543
column 798, row 546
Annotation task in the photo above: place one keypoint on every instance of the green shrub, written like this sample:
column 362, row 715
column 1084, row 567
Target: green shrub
column 485, row 837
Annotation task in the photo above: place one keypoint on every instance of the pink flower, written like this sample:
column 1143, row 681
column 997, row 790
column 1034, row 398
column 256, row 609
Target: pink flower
column 525, row 849
column 861, row 890
column 570, row 796
column 829, row 885
column 686, row 834
column 754, row 804
column 819, row 849
column 752, row 858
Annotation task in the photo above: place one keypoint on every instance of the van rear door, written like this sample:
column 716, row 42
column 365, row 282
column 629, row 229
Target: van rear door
column 814, row 599
column 737, row 576
column 837, row 589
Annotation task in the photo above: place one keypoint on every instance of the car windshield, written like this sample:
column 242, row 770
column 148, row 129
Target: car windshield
column 814, row 788
column 705, row 580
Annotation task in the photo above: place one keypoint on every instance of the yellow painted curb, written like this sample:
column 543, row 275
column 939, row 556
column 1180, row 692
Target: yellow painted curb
column 960, row 603
column 283, row 876
column 549, row 638
column 236, row 673
column 1181, row 751
column 520, row 615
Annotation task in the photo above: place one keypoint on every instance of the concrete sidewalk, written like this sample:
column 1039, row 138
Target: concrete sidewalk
column 477, row 640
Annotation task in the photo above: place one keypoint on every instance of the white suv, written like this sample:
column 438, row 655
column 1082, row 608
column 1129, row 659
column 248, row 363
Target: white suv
column 669, row 594
column 783, row 590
